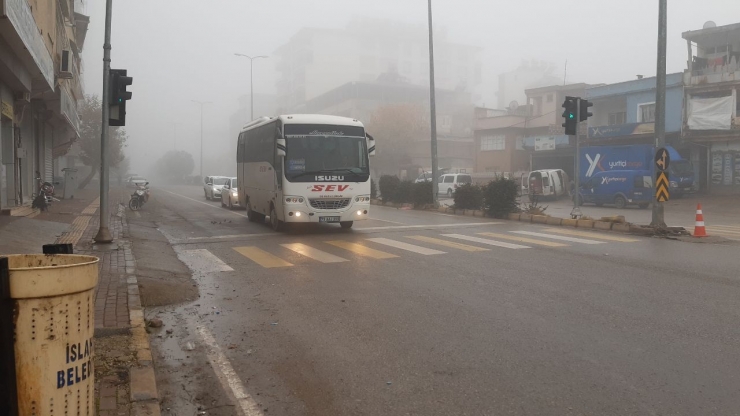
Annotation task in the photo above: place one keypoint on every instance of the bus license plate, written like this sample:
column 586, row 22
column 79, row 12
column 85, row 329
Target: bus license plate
column 328, row 219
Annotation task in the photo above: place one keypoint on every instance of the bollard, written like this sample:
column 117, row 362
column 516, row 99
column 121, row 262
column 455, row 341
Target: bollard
column 53, row 298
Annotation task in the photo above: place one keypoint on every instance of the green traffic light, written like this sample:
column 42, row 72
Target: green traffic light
column 571, row 116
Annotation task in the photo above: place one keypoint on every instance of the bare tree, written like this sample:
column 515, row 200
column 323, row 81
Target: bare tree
column 90, row 129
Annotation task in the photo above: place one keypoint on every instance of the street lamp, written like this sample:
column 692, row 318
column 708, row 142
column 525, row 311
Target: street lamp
column 433, row 108
column 202, row 103
column 251, row 84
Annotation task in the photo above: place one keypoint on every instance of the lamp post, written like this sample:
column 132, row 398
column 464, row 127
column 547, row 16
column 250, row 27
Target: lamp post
column 202, row 103
column 432, row 109
column 251, row 84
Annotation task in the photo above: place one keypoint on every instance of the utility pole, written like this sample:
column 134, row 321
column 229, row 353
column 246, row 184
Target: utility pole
column 104, row 235
column 251, row 83
column 202, row 103
column 658, row 209
column 433, row 109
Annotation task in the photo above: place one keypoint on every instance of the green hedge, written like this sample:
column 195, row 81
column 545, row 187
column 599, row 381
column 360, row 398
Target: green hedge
column 421, row 194
column 395, row 190
column 469, row 196
column 388, row 187
column 500, row 197
column 373, row 189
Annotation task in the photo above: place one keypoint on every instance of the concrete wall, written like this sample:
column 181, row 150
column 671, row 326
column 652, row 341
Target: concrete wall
column 508, row 160
column 674, row 107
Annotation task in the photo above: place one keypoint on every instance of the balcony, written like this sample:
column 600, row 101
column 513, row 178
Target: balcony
column 722, row 69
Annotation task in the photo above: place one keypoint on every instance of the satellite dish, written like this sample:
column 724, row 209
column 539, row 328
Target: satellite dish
column 513, row 105
column 709, row 24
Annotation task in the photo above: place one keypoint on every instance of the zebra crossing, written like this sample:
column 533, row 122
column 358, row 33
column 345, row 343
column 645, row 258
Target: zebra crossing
column 382, row 248
column 731, row 232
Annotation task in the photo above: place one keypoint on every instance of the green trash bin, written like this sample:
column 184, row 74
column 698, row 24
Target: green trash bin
column 53, row 297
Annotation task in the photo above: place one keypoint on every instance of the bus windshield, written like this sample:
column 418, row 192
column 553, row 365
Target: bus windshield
column 311, row 156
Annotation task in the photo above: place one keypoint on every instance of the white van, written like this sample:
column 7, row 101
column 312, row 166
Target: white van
column 552, row 183
column 449, row 182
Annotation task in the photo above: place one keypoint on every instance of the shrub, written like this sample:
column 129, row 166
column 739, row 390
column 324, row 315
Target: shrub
column 388, row 186
column 500, row 197
column 421, row 194
column 373, row 189
column 469, row 196
column 403, row 192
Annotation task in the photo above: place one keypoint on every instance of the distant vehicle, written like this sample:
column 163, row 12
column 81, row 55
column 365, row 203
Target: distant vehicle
column 424, row 177
column 446, row 184
column 230, row 194
column 304, row 168
column 637, row 157
column 139, row 197
column 213, row 185
column 551, row 183
column 620, row 188
column 135, row 181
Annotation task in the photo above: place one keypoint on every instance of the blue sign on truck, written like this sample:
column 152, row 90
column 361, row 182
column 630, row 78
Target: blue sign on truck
column 595, row 159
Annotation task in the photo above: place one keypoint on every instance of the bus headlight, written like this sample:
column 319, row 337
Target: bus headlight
column 294, row 199
column 362, row 198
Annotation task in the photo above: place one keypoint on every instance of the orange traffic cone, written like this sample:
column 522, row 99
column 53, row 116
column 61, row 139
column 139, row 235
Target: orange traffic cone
column 699, row 230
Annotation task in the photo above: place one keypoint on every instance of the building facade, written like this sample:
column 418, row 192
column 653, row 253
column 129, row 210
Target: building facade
column 711, row 126
column 315, row 61
column 40, row 86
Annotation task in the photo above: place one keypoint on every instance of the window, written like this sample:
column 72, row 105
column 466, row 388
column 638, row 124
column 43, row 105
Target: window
column 449, row 179
column 549, row 98
column 464, row 179
column 493, row 143
column 646, row 113
column 616, row 119
column 643, row 182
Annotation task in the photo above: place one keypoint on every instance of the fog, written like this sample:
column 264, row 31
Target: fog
column 183, row 50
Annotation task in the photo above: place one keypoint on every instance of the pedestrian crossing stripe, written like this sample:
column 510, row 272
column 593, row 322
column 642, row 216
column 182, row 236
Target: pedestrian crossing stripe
column 262, row 257
column 559, row 237
column 486, row 241
column 446, row 243
column 405, row 246
column 361, row 249
column 524, row 240
column 314, row 253
column 593, row 235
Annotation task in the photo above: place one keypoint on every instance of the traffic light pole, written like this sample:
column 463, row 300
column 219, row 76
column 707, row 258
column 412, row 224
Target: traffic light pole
column 576, row 213
column 658, row 219
column 104, row 235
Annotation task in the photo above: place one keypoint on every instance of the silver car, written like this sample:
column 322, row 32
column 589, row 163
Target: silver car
column 230, row 194
column 212, row 188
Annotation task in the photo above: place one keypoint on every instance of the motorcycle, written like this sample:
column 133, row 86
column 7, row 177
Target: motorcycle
column 45, row 195
column 139, row 197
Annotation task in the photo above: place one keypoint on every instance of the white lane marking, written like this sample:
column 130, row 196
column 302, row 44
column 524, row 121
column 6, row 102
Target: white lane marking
column 485, row 241
column 560, row 237
column 206, row 203
column 411, row 227
column 204, row 261
column 220, row 237
column 389, row 222
column 227, row 376
column 314, row 253
column 406, row 246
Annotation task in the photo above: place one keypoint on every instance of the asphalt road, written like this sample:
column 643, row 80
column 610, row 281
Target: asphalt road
column 421, row 313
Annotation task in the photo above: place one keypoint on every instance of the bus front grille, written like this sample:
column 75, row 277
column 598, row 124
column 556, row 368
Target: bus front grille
column 329, row 203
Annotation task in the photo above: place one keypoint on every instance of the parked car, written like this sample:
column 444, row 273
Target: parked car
column 449, row 182
column 621, row 188
column 213, row 186
column 230, row 194
column 552, row 183
column 136, row 181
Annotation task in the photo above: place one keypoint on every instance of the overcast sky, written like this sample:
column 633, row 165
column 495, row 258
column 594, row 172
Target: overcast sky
column 182, row 50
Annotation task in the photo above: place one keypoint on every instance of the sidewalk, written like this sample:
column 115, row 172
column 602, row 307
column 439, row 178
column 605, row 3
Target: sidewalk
column 125, row 382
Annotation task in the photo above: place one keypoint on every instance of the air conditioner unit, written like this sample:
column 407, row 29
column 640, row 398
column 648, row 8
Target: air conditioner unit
column 65, row 68
column 22, row 97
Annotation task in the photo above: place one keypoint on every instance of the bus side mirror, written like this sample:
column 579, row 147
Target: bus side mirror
column 280, row 147
column 370, row 145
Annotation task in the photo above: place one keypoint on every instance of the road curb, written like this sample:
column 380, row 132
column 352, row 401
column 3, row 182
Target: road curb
column 143, row 382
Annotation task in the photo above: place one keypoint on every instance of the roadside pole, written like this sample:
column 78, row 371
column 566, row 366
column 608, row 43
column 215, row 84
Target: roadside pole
column 104, row 235
column 658, row 208
column 433, row 109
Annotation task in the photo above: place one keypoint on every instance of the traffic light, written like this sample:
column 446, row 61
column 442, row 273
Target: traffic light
column 585, row 114
column 571, row 119
column 118, row 96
